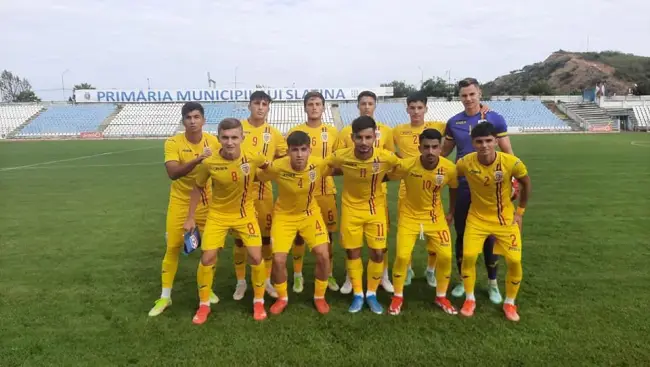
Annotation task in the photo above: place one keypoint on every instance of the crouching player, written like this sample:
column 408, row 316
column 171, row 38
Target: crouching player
column 491, row 213
column 296, row 212
column 232, row 172
column 421, row 214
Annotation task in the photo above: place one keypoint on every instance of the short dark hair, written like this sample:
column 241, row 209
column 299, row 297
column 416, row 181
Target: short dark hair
column 298, row 138
column 362, row 123
column 366, row 93
column 192, row 106
column 416, row 97
column 467, row 82
column 229, row 124
column 432, row 134
column 313, row 94
column 483, row 129
column 261, row 95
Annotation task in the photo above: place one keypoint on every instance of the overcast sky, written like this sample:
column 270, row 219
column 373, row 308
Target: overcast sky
column 316, row 44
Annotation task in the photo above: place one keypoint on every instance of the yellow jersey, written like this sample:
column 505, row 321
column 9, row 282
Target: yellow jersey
column 490, row 186
column 266, row 140
column 324, row 140
column 362, row 189
column 296, row 189
column 423, row 200
column 179, row 149
column 232, row 183
column 406, row 137
column 384, row 137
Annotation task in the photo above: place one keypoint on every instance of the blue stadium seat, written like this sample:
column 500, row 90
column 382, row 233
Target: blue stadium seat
column 215, row 112
column 68, row 120
column 528, row 115
column 390, row 113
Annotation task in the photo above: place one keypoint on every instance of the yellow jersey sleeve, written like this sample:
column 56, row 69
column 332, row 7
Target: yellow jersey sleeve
column 460, row 167
column 401, row 170
column 335, row 159
column 280, row 143
column 387, row 141
column 171, row 150
column 202, row 174
column 519, row 169
column 345, row 138
column 267, row 174
column 452, row 173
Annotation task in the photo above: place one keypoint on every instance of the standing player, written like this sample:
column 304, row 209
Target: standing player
column 406, row 137
column 421, row 214
column 296, row 212
column 259, row 137
column 457, row 134
column 324, row 140
column 491, row 213
column 183, row 153
column 363, row 211
column 232, row 173
column 367, row 103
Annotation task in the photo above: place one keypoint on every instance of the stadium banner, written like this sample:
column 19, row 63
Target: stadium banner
column 91, row 135
column 217, row 95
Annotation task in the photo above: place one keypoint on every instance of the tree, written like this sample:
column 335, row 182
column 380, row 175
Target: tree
column 83, row 86
column 436, row 87
column 27, row 96
column 400, row 88
column 541, row 88
column 11, row 86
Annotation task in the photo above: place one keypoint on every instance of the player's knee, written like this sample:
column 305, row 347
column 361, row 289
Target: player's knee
column 209, row 257
column 443, row 256
column 377, row 255
column 353, row 254
column 280, row 259
column 255, row 258
column 469, row 260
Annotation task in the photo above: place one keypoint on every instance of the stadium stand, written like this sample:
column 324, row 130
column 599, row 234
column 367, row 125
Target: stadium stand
column 591, row 117
column 67, row 120
column 215, row 112
column 12, row 116
column 145, row 120
column 642, row 116
column 284, row 116
column 528, row 116
column 441, row 110
column 391, row 114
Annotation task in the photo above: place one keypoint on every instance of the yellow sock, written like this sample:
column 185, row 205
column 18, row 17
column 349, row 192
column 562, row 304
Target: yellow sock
column 431, row 260
column 298, row 253
column 399, row 274
column 204, row 277
column 267, row 254
column 281, row 288
column 170, row 266
column 443, row 274
column 469, row 273
column 375, row 271
column 355, row 271
column 513, row 278
column 319, row 288
column 239, row 258
column 258, row 273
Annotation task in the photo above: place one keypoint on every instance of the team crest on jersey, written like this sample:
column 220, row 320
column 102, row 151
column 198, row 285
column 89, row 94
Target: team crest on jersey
column 312, row 175
column 245, row 168
column 498, row 176
column 440, row 179
column 324, row 136
column 375, row 167
column 266, row 137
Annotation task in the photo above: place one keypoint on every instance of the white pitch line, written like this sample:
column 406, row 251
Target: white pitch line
column 641, row 143
column 98, row 165
column 73, row 159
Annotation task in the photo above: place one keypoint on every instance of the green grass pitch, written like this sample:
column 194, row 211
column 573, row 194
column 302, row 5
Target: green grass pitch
column 82, row 238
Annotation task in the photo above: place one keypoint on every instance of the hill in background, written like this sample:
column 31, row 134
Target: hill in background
column 566, row 72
